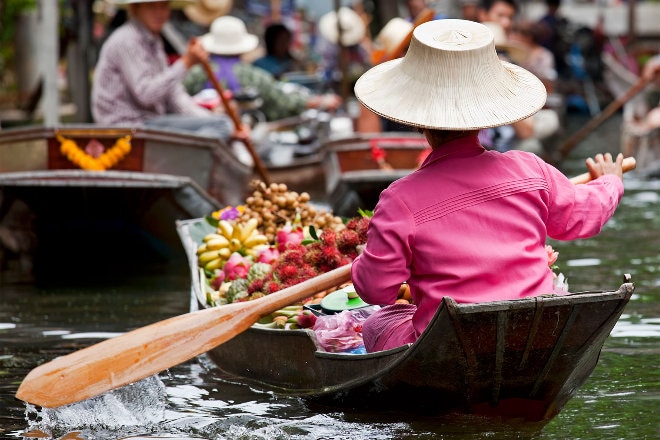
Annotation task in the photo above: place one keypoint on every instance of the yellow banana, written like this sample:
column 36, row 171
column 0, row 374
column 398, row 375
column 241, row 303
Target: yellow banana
column 224, row 253
column 201, row 249
column 207, row 256
column 235, row 244
column 211, row 236
column 225, row 228
column 254, row 240
column 214, row 264
column 237, row 233
column 248, row 228
column 216, row 243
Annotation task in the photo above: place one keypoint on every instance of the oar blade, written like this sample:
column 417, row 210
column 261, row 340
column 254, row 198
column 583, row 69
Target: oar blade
column 130, row 357
column 148, row 350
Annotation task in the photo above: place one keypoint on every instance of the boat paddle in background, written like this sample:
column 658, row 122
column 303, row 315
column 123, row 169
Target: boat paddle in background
column 612, row 108
column 258, row 163
column 146, row 351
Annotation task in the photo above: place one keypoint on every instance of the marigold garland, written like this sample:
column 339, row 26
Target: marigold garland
column 108, row 159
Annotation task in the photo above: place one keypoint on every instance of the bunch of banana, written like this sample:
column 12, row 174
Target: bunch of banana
column 242, row 237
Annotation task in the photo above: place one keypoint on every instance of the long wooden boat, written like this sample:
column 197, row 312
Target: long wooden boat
column 509, row 360
column 359, row 167
column 143, row 180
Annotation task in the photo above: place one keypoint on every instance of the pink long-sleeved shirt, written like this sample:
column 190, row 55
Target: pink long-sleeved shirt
column 472, row 224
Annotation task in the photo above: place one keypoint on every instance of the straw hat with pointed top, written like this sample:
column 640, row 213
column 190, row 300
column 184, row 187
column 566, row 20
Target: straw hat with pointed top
column 353, row 28
column 451, row 79
column 174, row 4
column 205, row 11
column 229, row 36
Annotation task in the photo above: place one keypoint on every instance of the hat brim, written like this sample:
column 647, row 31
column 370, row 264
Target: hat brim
column 353, row 28
column 248, row 44
column 426, row 100
column 204, row 16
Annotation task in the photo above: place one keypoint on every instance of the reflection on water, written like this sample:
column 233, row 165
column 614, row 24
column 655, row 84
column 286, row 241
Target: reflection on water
column 619, row 400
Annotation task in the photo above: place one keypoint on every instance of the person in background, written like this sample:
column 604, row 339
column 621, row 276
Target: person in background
column 502, row 12
column 551, row 27
column 415, row 7
column 134, row 84
column 540, row 61
column 469, row 223
column 353, row 44
column 469, row 9
column 227, row 40
column 278, row 59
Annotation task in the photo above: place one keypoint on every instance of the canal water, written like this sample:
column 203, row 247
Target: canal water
column 620, row 400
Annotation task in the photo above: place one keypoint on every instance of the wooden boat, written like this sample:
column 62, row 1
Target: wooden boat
column 359, row 167
column 510, row 360
column 49, row 204
column 290, row 149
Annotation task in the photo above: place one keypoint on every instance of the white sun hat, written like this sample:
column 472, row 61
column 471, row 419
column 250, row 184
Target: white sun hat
column 229, row 36
column 393, row 33
column 353, row 28
column 205, row 11
column 174, row 4
column 452, row 79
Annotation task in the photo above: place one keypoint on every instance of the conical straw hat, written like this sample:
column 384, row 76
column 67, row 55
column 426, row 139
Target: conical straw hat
column 451, row 78
column 353, row 29
column 205, row 11
column 229, row 36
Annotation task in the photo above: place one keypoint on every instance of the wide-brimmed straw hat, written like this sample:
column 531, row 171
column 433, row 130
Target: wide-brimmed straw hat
column 515, row 51
column 451, row 78
column 393, row 33
column 229, row 36
column 205, row 11
column 174, row 4
column 353, row 28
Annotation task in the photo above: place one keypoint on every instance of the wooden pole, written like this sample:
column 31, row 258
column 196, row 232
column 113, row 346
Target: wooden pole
column 261, row 169
column 572, row 141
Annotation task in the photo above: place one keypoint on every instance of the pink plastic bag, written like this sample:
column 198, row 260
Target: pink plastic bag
column 340, row 332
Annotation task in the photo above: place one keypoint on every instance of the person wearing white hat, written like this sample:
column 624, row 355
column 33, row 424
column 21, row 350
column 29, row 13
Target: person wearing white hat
column 226, row 41
column 469, row 223
column 134, row 84
column 328, row 44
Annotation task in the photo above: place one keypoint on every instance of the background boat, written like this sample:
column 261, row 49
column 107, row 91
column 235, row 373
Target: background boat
column 55, row 214
column 511, row 360
column 358, row 167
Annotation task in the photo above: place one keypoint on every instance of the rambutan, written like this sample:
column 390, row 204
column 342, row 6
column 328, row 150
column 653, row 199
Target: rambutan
column 272, row 286
column 256, row 285
column 347, row 240
column 287, row 272
column 329, row 237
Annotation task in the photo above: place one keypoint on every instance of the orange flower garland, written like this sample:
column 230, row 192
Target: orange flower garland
column 108, row 159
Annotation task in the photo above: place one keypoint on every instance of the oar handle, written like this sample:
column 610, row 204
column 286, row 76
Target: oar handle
column 261, row 169
column 629, row 163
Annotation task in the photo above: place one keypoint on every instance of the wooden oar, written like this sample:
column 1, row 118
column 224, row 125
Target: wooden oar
column 148, row 350
column 629, row 163
column 615, row 105
column 261, row 169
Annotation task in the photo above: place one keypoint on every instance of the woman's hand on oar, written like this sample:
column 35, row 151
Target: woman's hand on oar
column 604, row 164
column 146, row 351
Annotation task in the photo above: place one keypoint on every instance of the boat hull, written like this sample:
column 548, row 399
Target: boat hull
column 521, row 359
column 354, row 175
column 53, row 212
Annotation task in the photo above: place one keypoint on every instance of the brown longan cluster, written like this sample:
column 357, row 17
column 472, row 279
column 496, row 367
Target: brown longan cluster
column 274, row 205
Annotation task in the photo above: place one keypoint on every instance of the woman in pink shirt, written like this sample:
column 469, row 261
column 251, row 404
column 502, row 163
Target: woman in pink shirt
column 469, row 223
